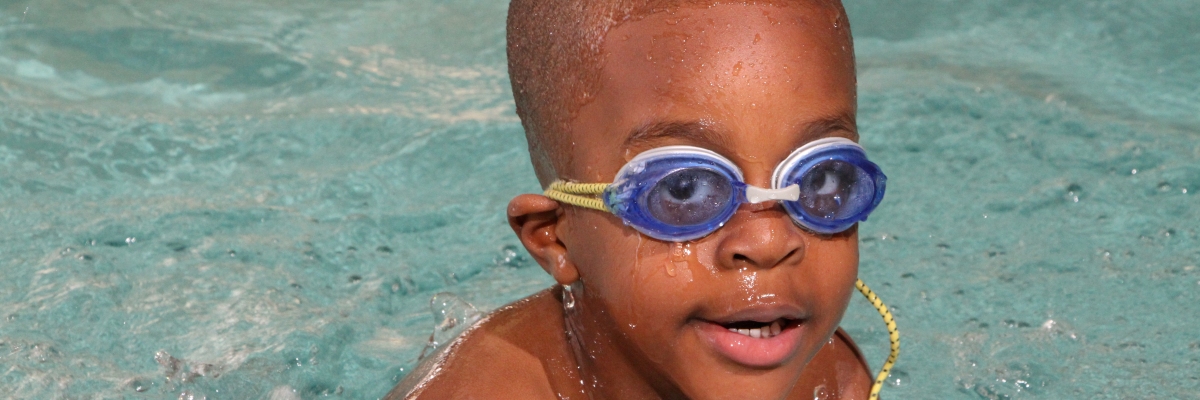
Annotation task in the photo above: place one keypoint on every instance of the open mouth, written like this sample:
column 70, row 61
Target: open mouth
column 760, row 330
column 754, row 341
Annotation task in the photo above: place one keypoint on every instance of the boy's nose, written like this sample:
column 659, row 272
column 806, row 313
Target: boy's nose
column 760, row 236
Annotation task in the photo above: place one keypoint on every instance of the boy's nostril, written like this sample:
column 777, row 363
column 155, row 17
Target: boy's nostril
column 790, row 257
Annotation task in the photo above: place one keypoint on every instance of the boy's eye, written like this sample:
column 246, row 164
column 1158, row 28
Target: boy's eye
column 830, row 190
column 689, row 197
column 682, row 187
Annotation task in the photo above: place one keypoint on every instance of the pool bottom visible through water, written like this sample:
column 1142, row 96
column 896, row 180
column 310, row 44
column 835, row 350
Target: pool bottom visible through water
column 223, row 199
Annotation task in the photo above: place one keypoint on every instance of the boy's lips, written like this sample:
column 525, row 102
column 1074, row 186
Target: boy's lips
column 758, row 338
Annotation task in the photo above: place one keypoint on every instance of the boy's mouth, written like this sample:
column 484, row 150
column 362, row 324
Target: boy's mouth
column 756, row 341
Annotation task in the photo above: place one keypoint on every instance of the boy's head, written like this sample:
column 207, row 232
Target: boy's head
column 597, row 83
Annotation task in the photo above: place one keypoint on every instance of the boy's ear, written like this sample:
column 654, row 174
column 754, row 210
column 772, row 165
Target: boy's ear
column 534, row 218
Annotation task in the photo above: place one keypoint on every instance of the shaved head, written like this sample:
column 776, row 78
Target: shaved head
column 555, row 60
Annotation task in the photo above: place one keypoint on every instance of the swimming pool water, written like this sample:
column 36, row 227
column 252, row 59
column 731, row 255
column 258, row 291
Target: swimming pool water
column 229, row 199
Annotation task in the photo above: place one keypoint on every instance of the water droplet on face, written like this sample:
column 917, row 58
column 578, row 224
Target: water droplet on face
column 679, row 253
column 820, row 393
column 680, row 261
column 637, row 257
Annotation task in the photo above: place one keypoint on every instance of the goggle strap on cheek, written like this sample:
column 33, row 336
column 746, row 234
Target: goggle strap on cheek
column 579, row 194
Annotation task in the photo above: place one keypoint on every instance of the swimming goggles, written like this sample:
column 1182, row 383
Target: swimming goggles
column 680, row 193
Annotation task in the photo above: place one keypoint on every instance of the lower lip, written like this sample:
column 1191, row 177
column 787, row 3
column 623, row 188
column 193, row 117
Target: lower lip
column 752, row 352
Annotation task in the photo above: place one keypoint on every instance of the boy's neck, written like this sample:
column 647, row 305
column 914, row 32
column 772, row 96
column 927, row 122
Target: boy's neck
column 609, row 368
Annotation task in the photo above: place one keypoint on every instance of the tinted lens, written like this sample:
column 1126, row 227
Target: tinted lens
column 835, row 190
column 689, row 196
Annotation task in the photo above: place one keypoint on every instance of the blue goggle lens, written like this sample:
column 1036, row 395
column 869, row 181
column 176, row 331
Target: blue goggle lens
column 689, row 197
column 832, row 190
column 676, row 193
column 839, row 187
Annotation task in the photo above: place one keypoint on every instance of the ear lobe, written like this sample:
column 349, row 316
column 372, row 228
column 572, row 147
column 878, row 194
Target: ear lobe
column 534, row 218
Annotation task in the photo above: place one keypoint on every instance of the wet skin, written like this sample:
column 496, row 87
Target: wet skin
column 651, row 318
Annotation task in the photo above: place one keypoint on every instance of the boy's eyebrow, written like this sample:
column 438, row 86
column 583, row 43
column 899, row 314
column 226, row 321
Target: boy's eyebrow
column 821, row 127
column 705, row 133
column 690, row 131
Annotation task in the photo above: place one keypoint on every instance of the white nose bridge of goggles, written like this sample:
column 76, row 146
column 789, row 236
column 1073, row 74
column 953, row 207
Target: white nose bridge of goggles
column 755, row 194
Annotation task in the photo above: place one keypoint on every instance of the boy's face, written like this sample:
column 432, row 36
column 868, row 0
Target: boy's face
column 752, row 83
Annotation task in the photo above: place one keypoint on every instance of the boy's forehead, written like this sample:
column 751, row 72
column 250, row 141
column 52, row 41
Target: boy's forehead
column 721, row 74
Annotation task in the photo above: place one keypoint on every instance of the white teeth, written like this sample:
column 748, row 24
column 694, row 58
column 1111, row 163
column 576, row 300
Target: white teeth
column 765, row 332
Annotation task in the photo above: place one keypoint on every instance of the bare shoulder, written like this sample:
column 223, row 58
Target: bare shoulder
column 839, row 371
column 511, row 353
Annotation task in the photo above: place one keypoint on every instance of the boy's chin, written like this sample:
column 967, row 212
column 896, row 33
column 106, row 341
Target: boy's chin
column 722, row 379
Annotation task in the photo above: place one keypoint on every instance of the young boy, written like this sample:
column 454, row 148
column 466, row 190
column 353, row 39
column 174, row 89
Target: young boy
column 720, row 261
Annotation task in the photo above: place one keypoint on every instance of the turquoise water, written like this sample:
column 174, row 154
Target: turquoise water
column 219, row 199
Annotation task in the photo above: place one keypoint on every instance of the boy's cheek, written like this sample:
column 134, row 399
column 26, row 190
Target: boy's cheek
column 635, row 277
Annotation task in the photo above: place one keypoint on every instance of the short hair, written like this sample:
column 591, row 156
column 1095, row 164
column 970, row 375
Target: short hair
column 554, row 63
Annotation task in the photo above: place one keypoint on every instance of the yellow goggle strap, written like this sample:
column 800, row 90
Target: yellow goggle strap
column 580, row 194
column 585, row 195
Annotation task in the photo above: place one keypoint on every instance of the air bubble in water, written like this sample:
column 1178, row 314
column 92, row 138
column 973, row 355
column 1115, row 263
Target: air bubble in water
column 188, row 395
column 510, row 256
column 897, row 377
